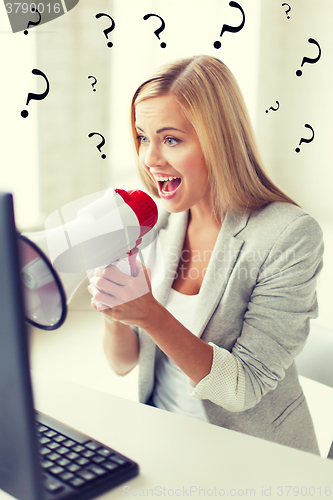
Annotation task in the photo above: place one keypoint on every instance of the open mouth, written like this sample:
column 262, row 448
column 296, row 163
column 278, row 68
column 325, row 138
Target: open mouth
column 168, row 185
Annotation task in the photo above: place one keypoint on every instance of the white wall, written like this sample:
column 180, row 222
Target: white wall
column 303, row 100
column 306, row 176
column 65, row 164
column 18, row 136
column 264, row 57
column 191, row 27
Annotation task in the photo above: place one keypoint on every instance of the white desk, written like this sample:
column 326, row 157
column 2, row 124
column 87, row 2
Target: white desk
column 179, row 456
column 177, row 453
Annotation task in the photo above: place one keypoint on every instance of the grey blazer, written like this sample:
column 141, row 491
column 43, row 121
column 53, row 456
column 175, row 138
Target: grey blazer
column 256, row 300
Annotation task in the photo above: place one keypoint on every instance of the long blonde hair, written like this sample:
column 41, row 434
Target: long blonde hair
column 211, row 100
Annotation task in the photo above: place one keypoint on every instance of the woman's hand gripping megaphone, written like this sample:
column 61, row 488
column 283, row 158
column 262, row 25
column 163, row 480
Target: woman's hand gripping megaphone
column 122, row 296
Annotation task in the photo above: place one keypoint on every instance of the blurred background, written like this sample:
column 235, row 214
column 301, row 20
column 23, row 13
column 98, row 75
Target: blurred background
column 48, row 160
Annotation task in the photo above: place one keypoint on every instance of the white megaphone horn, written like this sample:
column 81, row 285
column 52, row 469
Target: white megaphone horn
column 94, row 231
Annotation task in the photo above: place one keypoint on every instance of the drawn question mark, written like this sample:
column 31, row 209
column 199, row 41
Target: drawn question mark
column 306, row 140
column 100, row 145
column 307, row 59
column 94, row 83
column 232, row 29
column 108, row 30
column 37, row 97
column 274, row 109
column 159, row 30
column 32, row 23
column 288, row 10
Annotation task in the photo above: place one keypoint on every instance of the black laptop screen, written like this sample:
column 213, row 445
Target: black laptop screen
column 19, row 466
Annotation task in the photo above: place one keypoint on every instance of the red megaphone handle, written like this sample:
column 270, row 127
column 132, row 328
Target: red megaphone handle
column 131, row 260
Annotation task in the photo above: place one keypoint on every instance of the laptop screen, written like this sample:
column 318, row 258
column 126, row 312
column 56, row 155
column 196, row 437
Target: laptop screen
column 19, row 465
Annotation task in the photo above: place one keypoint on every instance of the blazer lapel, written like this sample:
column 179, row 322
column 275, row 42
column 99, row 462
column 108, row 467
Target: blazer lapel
column 221, row 264
column 171, row 241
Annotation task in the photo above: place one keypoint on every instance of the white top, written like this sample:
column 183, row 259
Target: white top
column 171, row 384
column 175, row 392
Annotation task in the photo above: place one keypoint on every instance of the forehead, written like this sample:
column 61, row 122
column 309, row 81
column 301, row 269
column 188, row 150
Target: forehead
column 160, row 110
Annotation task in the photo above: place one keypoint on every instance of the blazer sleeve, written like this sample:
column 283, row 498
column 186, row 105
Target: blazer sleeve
column 276, row 322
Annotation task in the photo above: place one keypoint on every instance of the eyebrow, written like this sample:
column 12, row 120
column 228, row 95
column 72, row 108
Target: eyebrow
column 162, row 129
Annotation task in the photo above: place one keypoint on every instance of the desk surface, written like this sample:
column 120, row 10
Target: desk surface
column 178, row 455
column 74, row 353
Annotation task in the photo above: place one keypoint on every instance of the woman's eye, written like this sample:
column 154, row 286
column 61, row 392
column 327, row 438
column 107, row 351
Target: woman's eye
column 142, row 139
column 171, row 141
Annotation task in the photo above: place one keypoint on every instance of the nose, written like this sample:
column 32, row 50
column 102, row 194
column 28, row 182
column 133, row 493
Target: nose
column 154, row 157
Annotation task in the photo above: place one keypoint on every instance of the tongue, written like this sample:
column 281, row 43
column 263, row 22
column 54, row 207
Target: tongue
column 170, row 186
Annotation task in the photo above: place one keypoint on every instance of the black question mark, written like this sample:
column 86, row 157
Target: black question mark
column 307, row 59
column 38, row 97
column 32, row 23
column 108, row 30
column 306, row 140
column 232, row 29
column 288, row 10
column 100, row 145
column 94, row 83
column 274, row 109
column 159, row 30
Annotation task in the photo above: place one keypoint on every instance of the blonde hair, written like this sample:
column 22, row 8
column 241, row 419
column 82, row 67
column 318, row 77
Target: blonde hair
column 211, row 100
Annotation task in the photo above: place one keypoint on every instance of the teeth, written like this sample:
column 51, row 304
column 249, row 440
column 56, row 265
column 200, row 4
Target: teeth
column 166, row 178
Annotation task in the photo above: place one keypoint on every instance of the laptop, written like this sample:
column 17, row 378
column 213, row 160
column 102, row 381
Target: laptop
column 40, row 458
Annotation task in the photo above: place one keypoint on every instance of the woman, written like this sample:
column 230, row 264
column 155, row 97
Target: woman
column 216, row 340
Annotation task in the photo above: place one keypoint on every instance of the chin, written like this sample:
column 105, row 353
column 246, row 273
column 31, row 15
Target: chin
column 173, row 208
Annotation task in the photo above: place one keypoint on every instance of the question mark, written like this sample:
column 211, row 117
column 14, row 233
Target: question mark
column 307, row 59
column 159, row 30
column 100, row 145
column 305, row 140
column 108, row 30
column 274, row 109
column 94, row 83
column 32, row 23
column 288, row 10
column 232, row 29
column 38, row 97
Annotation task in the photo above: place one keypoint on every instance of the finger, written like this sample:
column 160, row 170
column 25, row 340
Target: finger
column 144, row 271
column 93, row 290
column 98, row 306
column 102, row 307
column 111, row 273
column 106, row 286
column 93, row 303
column 102, row 298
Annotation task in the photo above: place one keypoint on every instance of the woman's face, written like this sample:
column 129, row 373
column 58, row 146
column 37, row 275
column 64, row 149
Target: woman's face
column 169, row 150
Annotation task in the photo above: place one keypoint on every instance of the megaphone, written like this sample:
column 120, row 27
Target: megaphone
column 105, row 228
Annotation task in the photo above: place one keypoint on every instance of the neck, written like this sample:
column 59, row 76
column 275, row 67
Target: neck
column 203, row 216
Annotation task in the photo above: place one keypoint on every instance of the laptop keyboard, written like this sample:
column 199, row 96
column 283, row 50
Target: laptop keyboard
column 79, row 463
